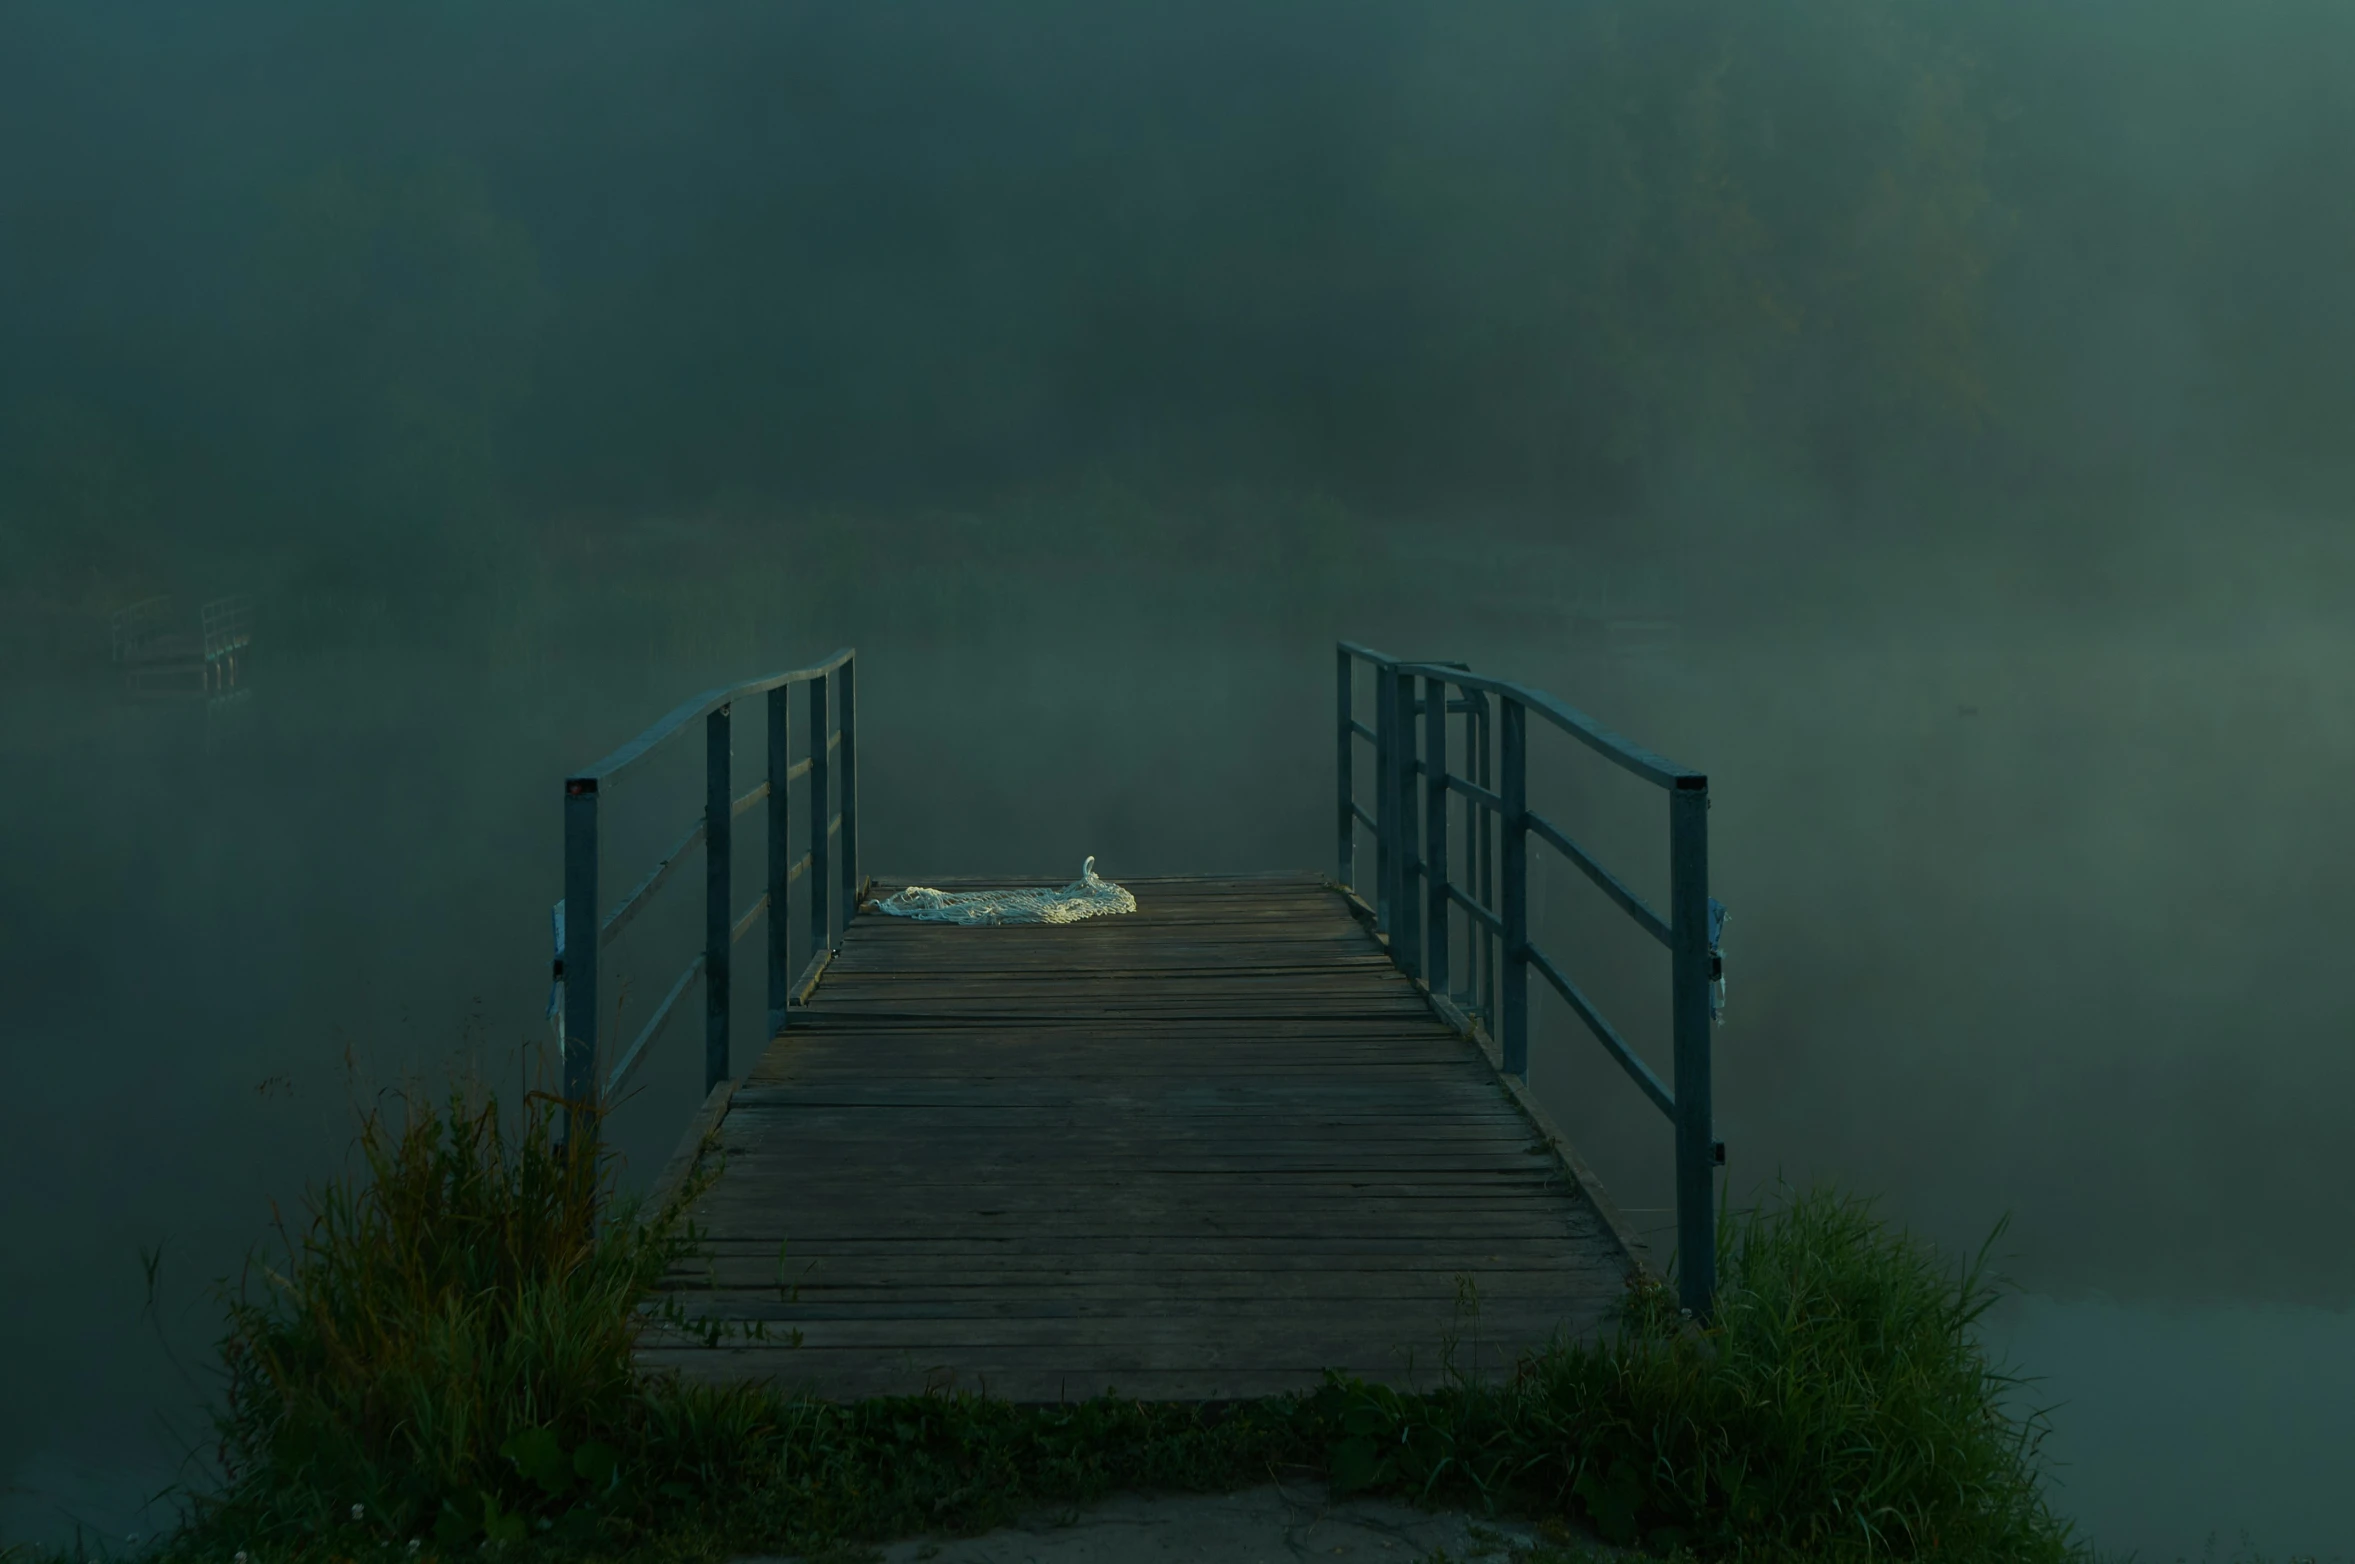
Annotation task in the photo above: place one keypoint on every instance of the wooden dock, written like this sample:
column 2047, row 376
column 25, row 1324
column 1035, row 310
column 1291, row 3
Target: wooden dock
column 1200, row 1152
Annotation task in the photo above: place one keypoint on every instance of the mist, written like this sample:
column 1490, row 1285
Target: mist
column 1952, row 396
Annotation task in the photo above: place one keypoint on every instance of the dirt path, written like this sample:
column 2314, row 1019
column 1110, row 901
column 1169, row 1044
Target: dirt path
column 1271, row 1525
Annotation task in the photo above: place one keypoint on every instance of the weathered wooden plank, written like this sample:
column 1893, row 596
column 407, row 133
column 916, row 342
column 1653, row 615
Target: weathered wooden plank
column 1026, row 1384
column 1457, row 1252
column 741, row 1284
column 1135, row 1313
column 1211, row 1335
column 1437, row 1231
column 1111, row 1212
column 1115, row 1100
column 972, row 1167
column 1572, row 1275
column 814, row 1277
column 1181, row 1370
column 1210, row 1147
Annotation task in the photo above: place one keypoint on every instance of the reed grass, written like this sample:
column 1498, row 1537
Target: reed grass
column 459, row 1301
column 441, row 1364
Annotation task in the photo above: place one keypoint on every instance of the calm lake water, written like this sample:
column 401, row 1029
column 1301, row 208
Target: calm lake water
column 2172, row 1427
column 199, row 937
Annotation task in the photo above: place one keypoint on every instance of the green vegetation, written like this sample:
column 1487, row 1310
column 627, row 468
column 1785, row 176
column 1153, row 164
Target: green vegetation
column 443, row 1360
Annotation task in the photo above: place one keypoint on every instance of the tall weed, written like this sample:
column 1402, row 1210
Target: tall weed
column 440, row 1332
column 445, row 1353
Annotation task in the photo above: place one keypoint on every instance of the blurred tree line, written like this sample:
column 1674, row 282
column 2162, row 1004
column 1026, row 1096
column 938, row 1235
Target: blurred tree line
column 385, row 293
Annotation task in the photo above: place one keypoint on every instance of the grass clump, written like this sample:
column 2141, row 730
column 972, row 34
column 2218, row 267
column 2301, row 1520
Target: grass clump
column 446, row 1356
column 1838, row 1405
column 446, row 1350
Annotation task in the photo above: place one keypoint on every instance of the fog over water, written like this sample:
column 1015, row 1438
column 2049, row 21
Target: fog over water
column 1927, row 419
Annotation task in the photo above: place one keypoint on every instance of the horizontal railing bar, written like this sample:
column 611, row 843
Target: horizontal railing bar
column 635, row 902
column 798, row 770
column 1605, row 880
column 654, row 1025
column 1364, row 732
column 1613, row 1044
column 808, row 981
column 1488, row 920
column 833, row 741
column 751, row 915
column 800, row 865
column 1359, row 810
column 1476, row 793
column 696, row 706
column 1368, row 654
column 1619, row 751
column 834, row 826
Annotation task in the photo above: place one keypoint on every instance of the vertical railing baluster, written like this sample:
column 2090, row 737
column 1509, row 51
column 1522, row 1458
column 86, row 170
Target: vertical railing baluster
column 1435, row 795
column 1406, row 941
column 1459, row 973
column 1470, row 877
column 1514, row 792
column 821, row 817
column 847, row 786
column 582, row 930
column 1344, row 769
column 1487, row 850
column 1696, row 1146
column 1385, row 804
column 719, row 835
column 780, row 855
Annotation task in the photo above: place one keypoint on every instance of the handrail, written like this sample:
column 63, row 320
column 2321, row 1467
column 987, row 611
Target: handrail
column 830, row 858
column 1580, row 726
column 703, row 706
column 1415, row 893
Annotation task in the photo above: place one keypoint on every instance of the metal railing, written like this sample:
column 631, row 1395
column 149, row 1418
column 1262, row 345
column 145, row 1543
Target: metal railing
column 226, row 625
column 831, row 764
column 1415, row 894
column 162, row 662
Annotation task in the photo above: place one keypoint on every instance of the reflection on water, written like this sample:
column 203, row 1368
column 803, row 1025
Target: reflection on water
column 2175, row 1426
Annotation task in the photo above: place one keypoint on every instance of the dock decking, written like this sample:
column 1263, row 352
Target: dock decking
column 1200, row 1152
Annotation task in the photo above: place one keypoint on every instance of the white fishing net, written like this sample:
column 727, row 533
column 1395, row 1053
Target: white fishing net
column 1085, row 897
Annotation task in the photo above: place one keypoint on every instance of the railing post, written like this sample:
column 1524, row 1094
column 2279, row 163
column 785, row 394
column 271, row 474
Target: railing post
column 582, row 931
column 1345, row 769
column 848, row 786
column 1385, row 803
column 821, row 815
column 1483, row 773
column 718, row 859
column 1513, row 790
column 1407, row 938
column 780, row 854
column 1696, row 1145
column 1435, row 794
